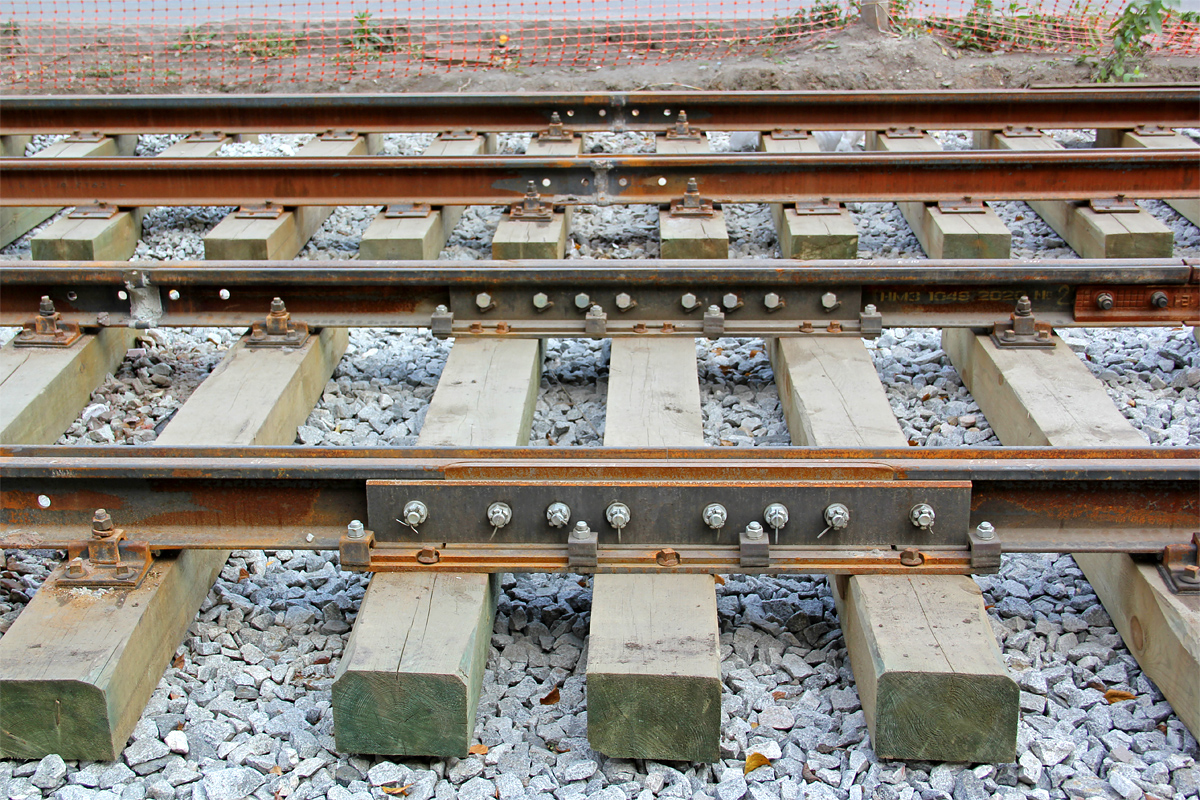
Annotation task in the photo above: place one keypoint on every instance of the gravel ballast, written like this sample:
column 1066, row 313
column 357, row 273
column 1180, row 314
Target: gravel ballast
column 244, row 709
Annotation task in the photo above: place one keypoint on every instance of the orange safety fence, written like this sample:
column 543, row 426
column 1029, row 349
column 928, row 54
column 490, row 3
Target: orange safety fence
column 258, row 45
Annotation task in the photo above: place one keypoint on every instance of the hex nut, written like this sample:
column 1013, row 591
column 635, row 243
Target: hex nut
column 582, row 301
column 714, row 516
column 558, row 514
column 730, row 301
column 541, row 300
column 772, row 301
column 624, row 301
column 483, row 301
column 415, row 512
column 829, row 301
column 689, row 301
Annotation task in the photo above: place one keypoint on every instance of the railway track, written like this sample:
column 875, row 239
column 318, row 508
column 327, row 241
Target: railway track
column 653, row 513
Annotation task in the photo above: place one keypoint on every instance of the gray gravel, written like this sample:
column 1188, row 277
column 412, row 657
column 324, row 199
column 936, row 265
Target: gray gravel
column 244, row 710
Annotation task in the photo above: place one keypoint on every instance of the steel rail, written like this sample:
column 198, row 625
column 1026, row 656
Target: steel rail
column 550, row 298
column 1115, row 107
column 741, row 178
column 1138, row 500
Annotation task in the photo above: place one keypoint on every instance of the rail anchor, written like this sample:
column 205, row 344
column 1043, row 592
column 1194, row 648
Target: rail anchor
column 279, row 330
column 1022, row 329
column 47, row 329
column 1180, row 566
column 107, row 560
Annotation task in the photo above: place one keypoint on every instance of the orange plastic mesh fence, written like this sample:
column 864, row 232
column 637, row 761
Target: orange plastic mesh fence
column 189, row 45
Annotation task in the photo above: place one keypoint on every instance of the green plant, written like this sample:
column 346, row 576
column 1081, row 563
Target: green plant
column 1139, row 19
column 367, row 38
column 271, row 45
column 193, row 39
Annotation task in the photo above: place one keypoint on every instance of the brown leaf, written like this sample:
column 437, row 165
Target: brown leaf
column 400, row 790
column 321, row 660
column 582, row 582
column 779, row 695
column 242, row 574
column 1097, row 685
column 178, row 662
column 551, row 698
column 276, row 770
column 478, row 749
column 719, row 580
column 754, row 761
column 1118, row 695
column 753, row 725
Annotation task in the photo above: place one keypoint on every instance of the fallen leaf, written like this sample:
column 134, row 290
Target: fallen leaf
column 551, row 698
column 478, row 749
column 753, row 725
column 321, row 660
column 276, row 770
column 1097, row 685
column 400, row 790
column 754, row 761
column 243, row 574
column 720, row 581
column 1118, row 695
column 582, row 582
column 779, row 695
column 178, row 662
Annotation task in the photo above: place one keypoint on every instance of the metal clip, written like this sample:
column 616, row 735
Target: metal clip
column 267, row 210
column 464, row 135
column 904, row 133
column 692, row 204
column 682, row 130
column 531, row 209
column 111, row 562
column 964, row 206
column 278, row 330
column 441, row 322
column 754, row 547
column 1013, row 132
column 1180, row 566
column 823, row 208
column 206, row 136
column 556, row 132
column 870, row 322
column 714, row 322
column 595, row 322
column 47, row 329
column 782, row 135
column 404, row 210
column 985, row 548
column 354, row 548
column 1113, row 205
column 98, row 211
column 1022, row 329
column 583, row 546
column 1153, row 130
column 91, row 137
column 338, row 136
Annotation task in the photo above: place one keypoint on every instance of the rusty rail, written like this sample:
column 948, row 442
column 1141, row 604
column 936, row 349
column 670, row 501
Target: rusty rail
column 1099, row 107
column 740, row 178
column 552, row 297
column 1038, row 499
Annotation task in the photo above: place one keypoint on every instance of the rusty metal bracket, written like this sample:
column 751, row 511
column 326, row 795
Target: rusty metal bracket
column 1027, row 132
column 964, row 206
column 531, row 208
column 595, row 322
column 904, row 133
column 714, row 322
column 1153, row 130
column 583, row 545
column 754, row 546
column 1114, row 205
column 870, row 322
column 825, row 207
column 985, row 548
column 90, row 137
column 441, row 322
column 98, row 211
column 107, row 560
column 267, row 210
column 682, row 131
column 206, row 136
column 464, row 135
column 557, row 132
column 354, row 548
column 405, row 210
column 47, row 329
column 278, row 330
column 338, row 136
column 692, row 204
column 1022, row 329
column 1180, row 566
column 781, row 135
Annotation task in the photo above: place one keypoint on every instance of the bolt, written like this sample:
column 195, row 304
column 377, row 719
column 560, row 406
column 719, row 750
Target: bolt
column 624, row 301
column 124, row 572
column 911, row 557
column 277, row 306
column 355, row 530
column 428, row 555
column 415, row 512
column 754, row 530
column 714, row 516
column 870, row 310
column 582, row 301
column 46, row 306
column 714, row 310
column 499, row 514
column 1024, row 306
column 922, row 516
column 1159, row 300
column 1104, row 301
column 667, row 557
column 541, row 301
column 75, row 568
column 776, row 515
column 837, row 516
column 985, row 530
column 829, row 301
column 581, row 531
column 730, row 301
column 558, row 514
column 772, row 301
column 223, row 294
column 688, row 301
column 617, row 515
column 173, row 294
column 102, row 524
column 483, row 301
column 441, row 309
column 1191, row 574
